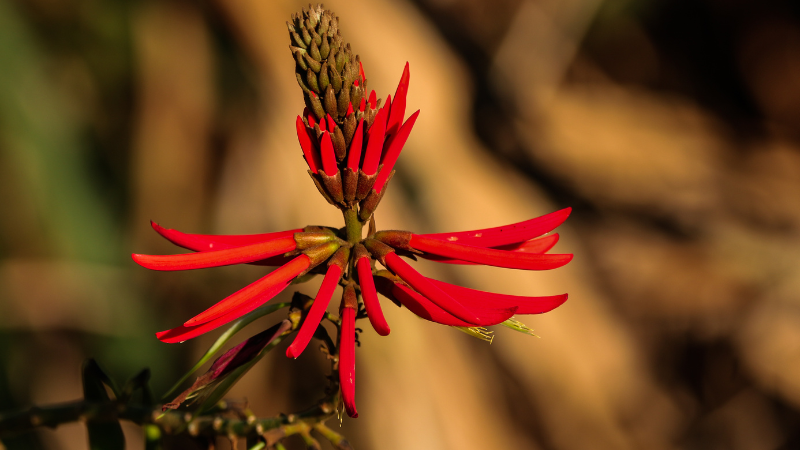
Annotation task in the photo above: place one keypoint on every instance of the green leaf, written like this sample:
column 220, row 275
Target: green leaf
column 224, row 338
column 231, row 378
column 103, row 434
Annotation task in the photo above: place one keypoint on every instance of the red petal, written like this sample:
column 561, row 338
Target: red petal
column 328, row 155
column 373, row 100
column 206, row 242
column 354, row 154
column 363, row 105
column 349, row 109
column 347, row 361
column 507, row 234
column 527, row 305
column 377, row 132
column 216, row 258
column 361, row 71
column 316, row 312
column 331, row 123
column 253, row 291
column 312, row 158
column 399, row 105
column 428, row 289
column 423, row 307
column 370, row 296
column 395, row 146
column 183, row 333
column 534, row 246
column 488, row 256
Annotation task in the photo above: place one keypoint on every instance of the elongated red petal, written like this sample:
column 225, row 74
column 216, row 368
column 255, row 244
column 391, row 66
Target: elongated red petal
column 507, row 234
column 534, row 246
column 488, row 256
column 399, row 105
column 428, row 289
column 253, row 291
column 393, row 152
column 309, row 117
column 331, row 124
column 183, row 333
column 328, row 155
column 309, row 152
column 377, row 132
column 205, row 242
column 316, row 312
column 423, row 307
column 347, row 361
column 354, row 153
column 216, row 258
column 374, row 312
column 526, row 305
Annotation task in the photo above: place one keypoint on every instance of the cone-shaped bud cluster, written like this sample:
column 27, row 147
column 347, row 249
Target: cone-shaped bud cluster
column 350, row 141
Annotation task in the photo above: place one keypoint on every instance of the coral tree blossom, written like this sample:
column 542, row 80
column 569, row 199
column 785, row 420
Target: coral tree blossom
column 351, row 143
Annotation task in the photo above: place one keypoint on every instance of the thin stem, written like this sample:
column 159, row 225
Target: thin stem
column 353, row 226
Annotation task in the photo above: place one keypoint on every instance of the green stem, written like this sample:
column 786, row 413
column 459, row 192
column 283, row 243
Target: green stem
column 353, row 226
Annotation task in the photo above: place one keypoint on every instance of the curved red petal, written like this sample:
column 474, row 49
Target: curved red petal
column 205, row 242
column 309, row 152
column 534, row 246
column 347, row 361
column 316, row 312
column 428, row 289
column 395, row 146
column 426, row 309
column 488, row 256
column 507, row 234
column 373, row 100
column 370, row 296
column 253, row 291
column 216, row 258
column 475, row 299
column 183, row 332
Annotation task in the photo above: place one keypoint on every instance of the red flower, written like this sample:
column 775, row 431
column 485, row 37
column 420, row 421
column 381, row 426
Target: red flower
column 351, row 144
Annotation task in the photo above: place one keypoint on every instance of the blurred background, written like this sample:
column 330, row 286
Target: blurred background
column 672, row 127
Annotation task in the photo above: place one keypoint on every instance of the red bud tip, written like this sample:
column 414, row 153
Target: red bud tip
column 362, row 105
column 393, row 152
column 354, row 154
column 310, row 118
column 312, row 158
column 377, row 133
column 328, row 155
column 399, row 105
column 331, row 124
column 349, row 108
column 373, row 100
column 361, row 71
column 316, row 312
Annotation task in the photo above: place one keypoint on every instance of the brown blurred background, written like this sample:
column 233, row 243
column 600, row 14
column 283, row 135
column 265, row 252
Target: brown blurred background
column 672, row 127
